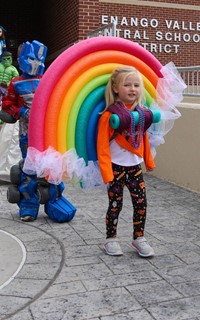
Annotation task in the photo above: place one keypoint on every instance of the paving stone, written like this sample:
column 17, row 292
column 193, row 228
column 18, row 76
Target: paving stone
column 10, row 304
column 82, row 251
column 88, row 305
column 183, row 309
column 134, row 315
column 22, row 315
column 166, row 260
column 129, row 262
column 62, row 289
column 38, row 271
column 153, row 292
column 24, row 288
column 180, row 274
column 68, row 276
column 126, row 279
column 82, row 272
column 189, row 288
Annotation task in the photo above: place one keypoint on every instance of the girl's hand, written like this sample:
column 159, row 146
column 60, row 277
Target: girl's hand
column 110, row 182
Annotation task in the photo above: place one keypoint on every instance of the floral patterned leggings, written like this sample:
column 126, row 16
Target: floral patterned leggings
column 132, row 178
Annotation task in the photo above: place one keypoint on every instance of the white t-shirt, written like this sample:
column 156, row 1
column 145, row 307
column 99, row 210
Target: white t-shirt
column 122, row 156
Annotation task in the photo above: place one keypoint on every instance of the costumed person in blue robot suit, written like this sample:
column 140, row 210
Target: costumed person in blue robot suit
column 27, row 190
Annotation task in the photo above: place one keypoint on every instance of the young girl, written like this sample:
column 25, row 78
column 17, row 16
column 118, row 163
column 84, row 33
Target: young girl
column 120, row 154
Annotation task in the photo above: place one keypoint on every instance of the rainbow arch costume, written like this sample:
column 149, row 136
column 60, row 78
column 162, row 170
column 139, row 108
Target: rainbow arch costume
column 65, row 110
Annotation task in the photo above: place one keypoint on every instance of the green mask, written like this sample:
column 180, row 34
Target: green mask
column 7, row 61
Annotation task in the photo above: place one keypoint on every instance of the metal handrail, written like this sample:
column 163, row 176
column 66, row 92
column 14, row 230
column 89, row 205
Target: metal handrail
column 191, row 77
column 107, row 30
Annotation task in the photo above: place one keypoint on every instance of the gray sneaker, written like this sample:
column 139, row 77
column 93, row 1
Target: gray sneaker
column 112, row 247
column 142, row 247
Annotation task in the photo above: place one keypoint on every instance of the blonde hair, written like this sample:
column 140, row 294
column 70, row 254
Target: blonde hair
column 118, row 76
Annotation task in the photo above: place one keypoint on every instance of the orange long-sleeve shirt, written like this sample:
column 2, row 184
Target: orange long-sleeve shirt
column 105, row 133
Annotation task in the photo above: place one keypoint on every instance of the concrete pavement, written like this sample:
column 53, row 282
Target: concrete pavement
column 13, row 256
column 51, row 271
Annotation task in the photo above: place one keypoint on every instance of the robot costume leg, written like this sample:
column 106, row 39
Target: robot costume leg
column 23, row 192
column 57, row 207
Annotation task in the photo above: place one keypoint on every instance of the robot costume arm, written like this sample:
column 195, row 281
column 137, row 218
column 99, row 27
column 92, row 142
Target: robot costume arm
column 11, row 102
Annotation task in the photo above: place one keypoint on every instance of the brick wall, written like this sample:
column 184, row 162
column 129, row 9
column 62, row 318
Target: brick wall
column 187, row 54
column 183, row 52
column 60, row 23
column 88, row 17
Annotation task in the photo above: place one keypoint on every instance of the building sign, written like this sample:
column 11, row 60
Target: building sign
column 168, row 41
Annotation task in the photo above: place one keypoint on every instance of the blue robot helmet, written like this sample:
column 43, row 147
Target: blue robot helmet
column 32, row 57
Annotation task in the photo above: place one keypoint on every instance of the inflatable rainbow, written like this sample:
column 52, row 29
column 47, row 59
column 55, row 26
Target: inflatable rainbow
column 66, row 105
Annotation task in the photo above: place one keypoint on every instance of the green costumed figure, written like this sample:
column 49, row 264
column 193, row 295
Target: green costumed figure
column 7, row 72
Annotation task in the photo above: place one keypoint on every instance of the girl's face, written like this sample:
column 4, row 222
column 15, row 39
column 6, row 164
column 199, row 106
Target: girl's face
column 128, row 90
